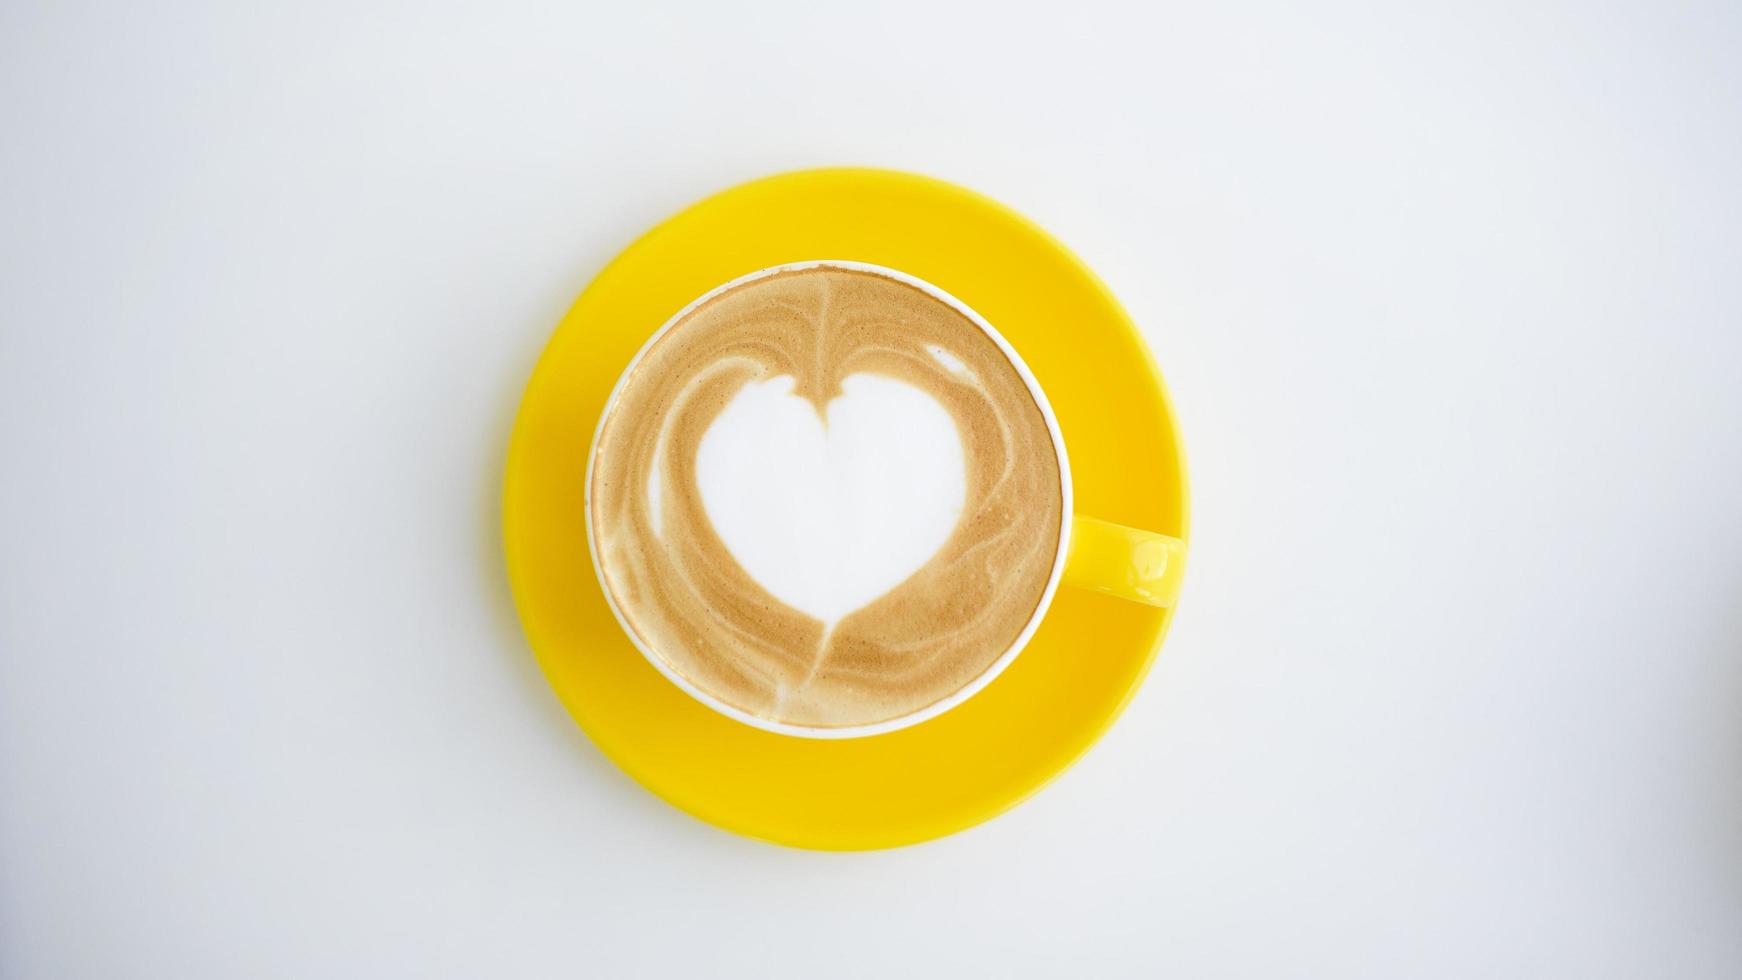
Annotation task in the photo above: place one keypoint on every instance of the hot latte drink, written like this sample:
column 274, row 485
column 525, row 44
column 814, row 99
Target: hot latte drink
column 826, row 498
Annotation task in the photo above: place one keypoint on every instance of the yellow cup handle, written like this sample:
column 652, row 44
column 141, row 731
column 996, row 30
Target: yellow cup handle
column 1123, row 561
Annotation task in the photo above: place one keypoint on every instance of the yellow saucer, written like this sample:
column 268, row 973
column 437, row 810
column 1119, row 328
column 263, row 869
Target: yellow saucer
column 1001, row 745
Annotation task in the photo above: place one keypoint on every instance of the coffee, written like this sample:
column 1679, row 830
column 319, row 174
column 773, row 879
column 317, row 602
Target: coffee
column 827, row 498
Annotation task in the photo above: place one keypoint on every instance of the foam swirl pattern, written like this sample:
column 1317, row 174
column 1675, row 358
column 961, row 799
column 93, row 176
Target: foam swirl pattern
column 691, row 603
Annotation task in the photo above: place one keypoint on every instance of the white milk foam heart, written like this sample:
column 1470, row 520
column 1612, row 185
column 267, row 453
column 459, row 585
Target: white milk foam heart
column 829, row 513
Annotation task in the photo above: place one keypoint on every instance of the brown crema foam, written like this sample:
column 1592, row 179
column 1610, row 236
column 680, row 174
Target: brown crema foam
column 690, row 602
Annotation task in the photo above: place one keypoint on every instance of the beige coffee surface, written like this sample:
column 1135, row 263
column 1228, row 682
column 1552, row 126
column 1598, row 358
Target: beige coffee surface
column 688, row 599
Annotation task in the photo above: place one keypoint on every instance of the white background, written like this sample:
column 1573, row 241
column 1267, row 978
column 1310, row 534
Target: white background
column 1450, row 298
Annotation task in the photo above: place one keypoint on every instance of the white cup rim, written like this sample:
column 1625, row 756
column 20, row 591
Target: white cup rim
column 937, row 707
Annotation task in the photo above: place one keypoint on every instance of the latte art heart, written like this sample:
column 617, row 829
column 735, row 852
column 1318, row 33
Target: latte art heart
column 828, row 511
column 825, row 498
